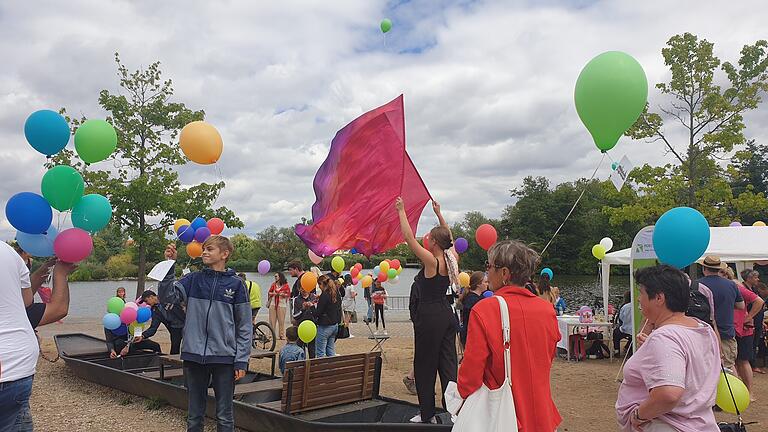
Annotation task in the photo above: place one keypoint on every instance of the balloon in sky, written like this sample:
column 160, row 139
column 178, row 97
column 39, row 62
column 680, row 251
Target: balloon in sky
column 486, row 236
column 313, row 257
column 202, row 234
column 179, row 223
column 610, row 95
column 216, row 225
column 198, row 223
column 681, row 236
column 461, row 245
column 95, row 140
column 29, row 213
column 92, row 213
column 195, row 249
column 337, row 263
column 38, row 245
column 201, row 142
column 386, row 25
column 47, row 131
column 614, row 165
column 62, row 187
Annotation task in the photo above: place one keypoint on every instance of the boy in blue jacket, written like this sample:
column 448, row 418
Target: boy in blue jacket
column 216, row 345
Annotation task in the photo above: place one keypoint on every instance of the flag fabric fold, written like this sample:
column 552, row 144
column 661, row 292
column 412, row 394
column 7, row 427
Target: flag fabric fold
column 367, row 168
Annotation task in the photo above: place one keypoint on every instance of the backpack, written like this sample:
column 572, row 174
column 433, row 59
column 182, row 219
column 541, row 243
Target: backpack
column 698, row 304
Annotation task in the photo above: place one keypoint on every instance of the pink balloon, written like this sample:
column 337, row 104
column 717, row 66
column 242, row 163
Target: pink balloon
column 73, row 245
column 128, row 315
column 132, row 305
column 312, row 257
column 355, row 281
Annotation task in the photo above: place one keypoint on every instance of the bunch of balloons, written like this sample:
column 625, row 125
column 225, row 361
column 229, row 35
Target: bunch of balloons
column 599, row 250
column 196, row 232
column 388, row 270
column 62, row 188
column 122, row 317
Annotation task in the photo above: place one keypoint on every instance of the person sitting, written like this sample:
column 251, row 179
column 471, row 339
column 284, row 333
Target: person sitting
column 671, row 380
column 121, row 345
column 623, row 329
column 150, row 299
column 291, row 351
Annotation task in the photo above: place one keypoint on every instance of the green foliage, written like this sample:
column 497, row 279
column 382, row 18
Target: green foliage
column 121, row 266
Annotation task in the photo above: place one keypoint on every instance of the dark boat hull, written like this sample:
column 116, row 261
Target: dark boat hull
column 378, row 415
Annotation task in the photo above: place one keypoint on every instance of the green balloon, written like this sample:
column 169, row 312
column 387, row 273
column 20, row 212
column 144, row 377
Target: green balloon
column 62, row 187
column 386, row 25
column 95, row 140
column 610, row 95
column 307, row 331
column 115, row 305
column 391, row 274
column 92, row 213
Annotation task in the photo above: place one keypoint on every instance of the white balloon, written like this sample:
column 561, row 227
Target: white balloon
column 395, row 280
column 607, row 243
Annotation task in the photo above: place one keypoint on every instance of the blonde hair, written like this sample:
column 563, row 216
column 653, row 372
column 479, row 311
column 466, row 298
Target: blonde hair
column 220, row 242
column 729, row 274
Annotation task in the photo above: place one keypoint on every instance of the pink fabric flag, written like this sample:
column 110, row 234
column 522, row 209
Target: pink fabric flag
column 356, row 187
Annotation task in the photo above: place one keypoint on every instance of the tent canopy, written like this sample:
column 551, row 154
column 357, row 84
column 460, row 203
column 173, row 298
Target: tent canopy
column 740, row 245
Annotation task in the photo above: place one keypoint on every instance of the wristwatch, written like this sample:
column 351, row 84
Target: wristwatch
column 636, row 414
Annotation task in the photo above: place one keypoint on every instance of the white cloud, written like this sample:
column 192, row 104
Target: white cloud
column 488, row 85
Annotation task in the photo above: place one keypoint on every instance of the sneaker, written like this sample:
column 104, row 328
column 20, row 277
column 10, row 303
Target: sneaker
column 384, row 332
column 410, row 385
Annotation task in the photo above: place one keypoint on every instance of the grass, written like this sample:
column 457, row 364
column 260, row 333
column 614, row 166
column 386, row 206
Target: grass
column 125, row 400
column 155, row 403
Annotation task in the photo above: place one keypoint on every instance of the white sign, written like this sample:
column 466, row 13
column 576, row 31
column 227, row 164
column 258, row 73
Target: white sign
column 159, row 271
column 620, row 174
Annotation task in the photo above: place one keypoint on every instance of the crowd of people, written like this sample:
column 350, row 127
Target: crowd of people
column 692, row 330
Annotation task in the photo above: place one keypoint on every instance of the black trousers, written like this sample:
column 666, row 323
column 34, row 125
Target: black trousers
column 379, row 311
column 145, row 344
column 619, row 336
column 434, row 353
column 176, row 336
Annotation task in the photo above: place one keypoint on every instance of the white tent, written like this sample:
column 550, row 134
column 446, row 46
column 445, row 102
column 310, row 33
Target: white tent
column 739, row 245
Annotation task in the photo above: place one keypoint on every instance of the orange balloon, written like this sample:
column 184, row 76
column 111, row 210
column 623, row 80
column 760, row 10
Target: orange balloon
column 195, row 249
column 367, row 281
column 309, row 281
column 201, row 142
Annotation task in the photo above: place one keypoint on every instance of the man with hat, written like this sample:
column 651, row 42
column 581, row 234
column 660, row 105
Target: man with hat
column 726, row 297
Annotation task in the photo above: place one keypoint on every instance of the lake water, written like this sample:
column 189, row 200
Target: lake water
column 88, row 299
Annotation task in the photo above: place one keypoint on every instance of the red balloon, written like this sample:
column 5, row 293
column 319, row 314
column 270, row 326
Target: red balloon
column 425, row 240
column 382, row 277
column 486, row 236
column 354, row 272
column 359, row 267
column 395, row 264
column 216, row 225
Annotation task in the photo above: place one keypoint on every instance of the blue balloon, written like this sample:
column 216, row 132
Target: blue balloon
column 111, row 322
column 198, row 223
column 186, row 233
column 29, row 213
column 681, row 236
column 47, row 131
column 121, row 331
column 548, row 272
column 376, row 271
column 487, row 294
column 202, row 233
column 143, row 314
column 353, row 251
column 38, row 245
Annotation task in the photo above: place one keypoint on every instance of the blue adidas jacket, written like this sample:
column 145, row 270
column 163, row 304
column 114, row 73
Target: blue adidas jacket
column 218, row 326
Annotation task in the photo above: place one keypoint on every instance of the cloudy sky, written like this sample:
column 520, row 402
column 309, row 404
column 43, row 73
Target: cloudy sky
column 488, row 85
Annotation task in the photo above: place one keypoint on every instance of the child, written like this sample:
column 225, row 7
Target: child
column 291, row 351
column 379, row 296
column 217, row 332
column 303, row 309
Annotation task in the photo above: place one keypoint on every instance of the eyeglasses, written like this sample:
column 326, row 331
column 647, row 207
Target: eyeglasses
column 488, row 266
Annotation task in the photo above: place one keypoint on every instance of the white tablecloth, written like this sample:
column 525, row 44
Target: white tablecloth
column 566, row 323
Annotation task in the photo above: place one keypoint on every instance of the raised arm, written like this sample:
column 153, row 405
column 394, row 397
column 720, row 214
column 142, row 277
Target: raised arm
column 422, row 254
column 169, row 290
column 440, row 218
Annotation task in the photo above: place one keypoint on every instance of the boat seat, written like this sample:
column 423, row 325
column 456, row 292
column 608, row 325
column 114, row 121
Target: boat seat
column 274, row 406
column 256, row 386
column 168, row 374
column 329, row 381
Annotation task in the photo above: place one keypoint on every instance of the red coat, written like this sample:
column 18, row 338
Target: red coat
column 533, row 342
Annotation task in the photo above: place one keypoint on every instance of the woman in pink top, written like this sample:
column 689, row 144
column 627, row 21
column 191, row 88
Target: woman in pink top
column 278, row 296
column 671, row 381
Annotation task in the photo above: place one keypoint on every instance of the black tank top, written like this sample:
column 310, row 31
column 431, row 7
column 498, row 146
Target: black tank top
column 433, row 289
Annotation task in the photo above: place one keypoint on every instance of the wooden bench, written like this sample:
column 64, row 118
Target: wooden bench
column 329, row 381
column 255, row 387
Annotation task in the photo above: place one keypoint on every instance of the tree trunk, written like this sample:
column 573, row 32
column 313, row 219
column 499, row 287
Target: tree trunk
column 142, row 269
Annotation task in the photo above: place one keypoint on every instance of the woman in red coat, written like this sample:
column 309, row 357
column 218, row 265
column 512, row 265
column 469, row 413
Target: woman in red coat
column 533, row 339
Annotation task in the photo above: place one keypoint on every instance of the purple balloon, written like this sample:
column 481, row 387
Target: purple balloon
column 735, row 223
column 264, row 267
column 461, row 245
column 202, row 233
column 186, row 233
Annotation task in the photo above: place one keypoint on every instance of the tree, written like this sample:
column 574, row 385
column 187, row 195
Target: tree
column 143, row 188
column 711, row 117
column 749, row 167
column 475, row 257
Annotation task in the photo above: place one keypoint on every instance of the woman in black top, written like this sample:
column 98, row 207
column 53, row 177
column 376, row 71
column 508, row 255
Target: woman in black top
column 434, row 322
column 328, row 315
column 478, row 284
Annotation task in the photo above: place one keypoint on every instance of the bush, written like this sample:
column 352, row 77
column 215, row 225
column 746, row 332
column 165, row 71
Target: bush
column 120, row 266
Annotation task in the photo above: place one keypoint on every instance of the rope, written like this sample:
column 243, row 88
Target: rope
column 584, row 189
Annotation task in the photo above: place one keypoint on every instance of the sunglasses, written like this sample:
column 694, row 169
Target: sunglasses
column 489, row 265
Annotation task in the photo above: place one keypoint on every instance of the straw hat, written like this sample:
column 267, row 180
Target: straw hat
column 713, row 262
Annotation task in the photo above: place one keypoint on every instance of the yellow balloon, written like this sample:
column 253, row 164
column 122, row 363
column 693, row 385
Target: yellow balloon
column 740, row 393
column 598, row 251
column 179, row 223
column 463, row 280
column 367, row 281
column 759, row 223
column 384, row 266
column 201, row 142
column 400, row 270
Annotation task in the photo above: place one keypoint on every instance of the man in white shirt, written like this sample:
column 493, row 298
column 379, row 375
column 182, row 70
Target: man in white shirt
column 18, row 345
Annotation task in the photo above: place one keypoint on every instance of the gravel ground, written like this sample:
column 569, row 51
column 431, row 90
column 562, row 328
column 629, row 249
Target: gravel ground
column 584, row 392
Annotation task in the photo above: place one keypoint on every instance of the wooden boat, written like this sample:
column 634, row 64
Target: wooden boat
column 328, row 394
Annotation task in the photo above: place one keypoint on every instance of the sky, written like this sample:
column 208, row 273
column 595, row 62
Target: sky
column 488, row 85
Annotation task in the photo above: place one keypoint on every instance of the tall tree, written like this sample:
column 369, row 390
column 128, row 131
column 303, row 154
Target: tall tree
column 143, row 187
column 711, row 116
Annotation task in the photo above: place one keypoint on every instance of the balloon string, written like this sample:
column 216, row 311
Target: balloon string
column 584, row 189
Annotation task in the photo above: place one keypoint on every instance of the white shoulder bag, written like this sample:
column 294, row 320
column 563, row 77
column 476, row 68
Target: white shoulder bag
column 488, row 410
